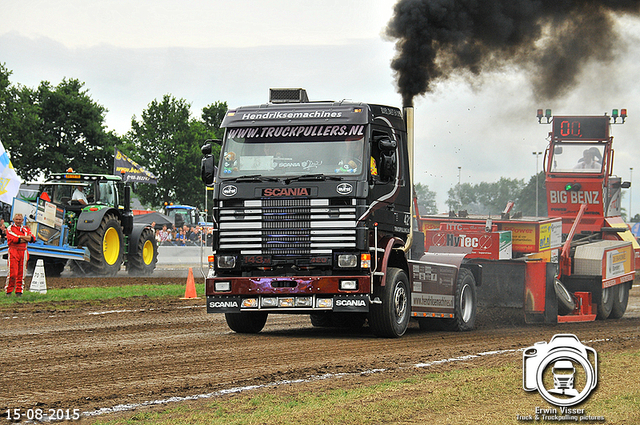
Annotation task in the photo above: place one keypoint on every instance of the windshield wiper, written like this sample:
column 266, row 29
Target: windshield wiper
column 309, row 177
column 253, row 178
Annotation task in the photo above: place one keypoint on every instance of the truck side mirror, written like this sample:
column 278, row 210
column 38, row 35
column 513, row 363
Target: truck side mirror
column 208, row 170
column 388, row 165
column 206, row 149
column 207, row 145
column 386, row 145
column 388, row 161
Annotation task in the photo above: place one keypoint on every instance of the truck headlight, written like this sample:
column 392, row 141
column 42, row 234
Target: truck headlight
column 347, row 261
column 324, row 303
column 285, row 302
column 226, row 261
column 222, row 286
column 250, row 303
column 269, row 302
column 348, row 285
column 304, row 302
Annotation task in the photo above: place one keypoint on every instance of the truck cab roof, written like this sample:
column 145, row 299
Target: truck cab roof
column 343, row 112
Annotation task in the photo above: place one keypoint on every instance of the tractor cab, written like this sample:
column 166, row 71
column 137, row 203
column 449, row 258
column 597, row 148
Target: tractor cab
column 97, row 189
column 182, row 215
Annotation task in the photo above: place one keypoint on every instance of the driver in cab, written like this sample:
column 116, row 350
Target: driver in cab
column 591, row 159
column 78, row 195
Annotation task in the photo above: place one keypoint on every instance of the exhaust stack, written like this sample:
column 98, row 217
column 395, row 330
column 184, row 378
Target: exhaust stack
column 409, row 121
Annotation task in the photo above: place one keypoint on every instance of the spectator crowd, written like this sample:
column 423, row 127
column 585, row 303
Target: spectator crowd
column 184, row 236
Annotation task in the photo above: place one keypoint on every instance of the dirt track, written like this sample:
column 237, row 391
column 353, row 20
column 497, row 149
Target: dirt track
column 88, row 357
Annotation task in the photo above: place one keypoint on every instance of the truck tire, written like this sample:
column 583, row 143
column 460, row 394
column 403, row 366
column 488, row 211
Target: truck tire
column 105, row 246
column 391, row 318
column 143, row 257
column 620, row 300
column 606, row 303
column 246, row 323
column 466, row 304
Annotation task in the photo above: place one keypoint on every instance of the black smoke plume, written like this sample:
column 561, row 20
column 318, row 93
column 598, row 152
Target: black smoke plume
column 551, row 40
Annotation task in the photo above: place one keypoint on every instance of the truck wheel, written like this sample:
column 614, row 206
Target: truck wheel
column 143, row 257
column 606, row 303
column 465, row 304
column 620, row 300
column 246, row 323
column 105, row 246
column 391, row 318
column 566, row 304
column 321, row 320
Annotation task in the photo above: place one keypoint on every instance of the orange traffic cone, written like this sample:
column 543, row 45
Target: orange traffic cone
column 190, row 291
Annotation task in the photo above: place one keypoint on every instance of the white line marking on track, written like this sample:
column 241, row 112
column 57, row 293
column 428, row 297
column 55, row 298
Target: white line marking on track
column 97, row 313
column 133, row 406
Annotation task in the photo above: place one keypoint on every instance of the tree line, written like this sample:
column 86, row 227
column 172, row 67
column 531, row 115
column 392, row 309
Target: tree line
column 488, row 198
column 49, row 129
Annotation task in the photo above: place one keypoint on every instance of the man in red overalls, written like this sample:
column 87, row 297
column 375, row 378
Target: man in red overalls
column 17, row 238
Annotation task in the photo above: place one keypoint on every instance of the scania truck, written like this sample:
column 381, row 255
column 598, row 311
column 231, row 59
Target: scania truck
column 313, row 215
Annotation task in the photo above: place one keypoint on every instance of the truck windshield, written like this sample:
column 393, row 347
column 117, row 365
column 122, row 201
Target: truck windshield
column 577, row 157
column 293, row 150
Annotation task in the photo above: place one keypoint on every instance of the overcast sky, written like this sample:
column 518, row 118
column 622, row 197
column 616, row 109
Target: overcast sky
column 129, row 53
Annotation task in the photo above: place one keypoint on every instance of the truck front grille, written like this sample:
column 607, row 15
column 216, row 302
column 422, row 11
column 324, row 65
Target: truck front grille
column 283, row 227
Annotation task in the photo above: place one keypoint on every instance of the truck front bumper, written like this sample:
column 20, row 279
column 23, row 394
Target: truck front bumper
column 288, row 294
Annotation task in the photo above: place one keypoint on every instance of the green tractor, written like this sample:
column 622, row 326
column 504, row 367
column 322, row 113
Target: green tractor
column 96, row 219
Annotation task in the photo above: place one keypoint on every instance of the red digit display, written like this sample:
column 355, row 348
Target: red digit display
column 581, row 128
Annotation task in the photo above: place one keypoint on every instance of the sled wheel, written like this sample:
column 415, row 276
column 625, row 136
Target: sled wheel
column 566, row 304
column 620, row 300
column 606, row 303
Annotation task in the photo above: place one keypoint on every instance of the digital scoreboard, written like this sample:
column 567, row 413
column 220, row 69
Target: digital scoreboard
column 581, row 128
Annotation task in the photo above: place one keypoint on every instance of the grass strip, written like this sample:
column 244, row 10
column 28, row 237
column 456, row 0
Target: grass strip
column 99, row 293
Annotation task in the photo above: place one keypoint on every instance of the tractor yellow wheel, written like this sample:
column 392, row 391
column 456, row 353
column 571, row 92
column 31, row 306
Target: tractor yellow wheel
column 148, row 252
column 143, row 254
column 111, row 246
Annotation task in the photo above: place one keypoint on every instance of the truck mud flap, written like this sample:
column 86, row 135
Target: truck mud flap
column 223, row 304
column 351, row 304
